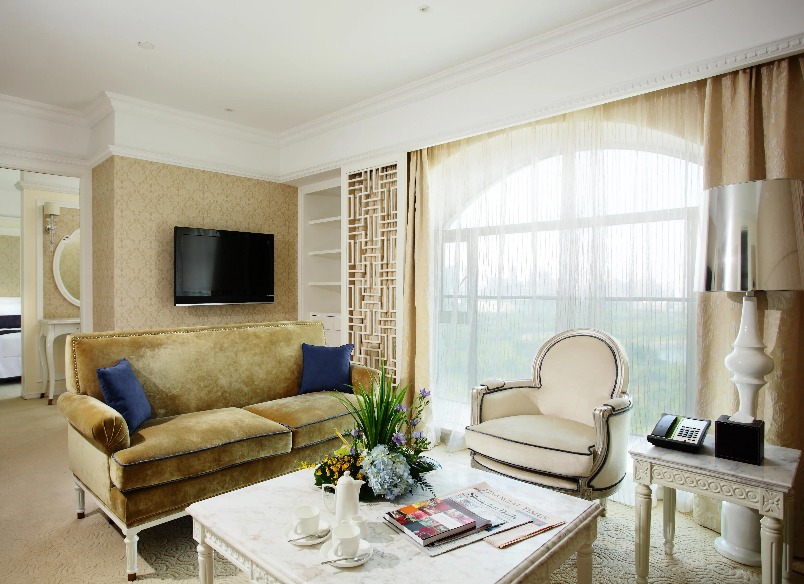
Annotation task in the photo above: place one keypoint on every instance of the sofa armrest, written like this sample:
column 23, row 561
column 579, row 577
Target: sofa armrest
column 612, row 426
column 103, row 426
column 364, row 378
column 497, row 398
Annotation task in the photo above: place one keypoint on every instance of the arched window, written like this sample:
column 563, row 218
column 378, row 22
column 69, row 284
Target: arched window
column 548, row 227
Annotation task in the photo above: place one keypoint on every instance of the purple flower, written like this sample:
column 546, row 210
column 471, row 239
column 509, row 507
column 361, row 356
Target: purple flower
column 401, row 408
column 418, row 435
column 424, row 392
column 399, row 438
column 414, row 422
column 352, row 451
column 356, row 433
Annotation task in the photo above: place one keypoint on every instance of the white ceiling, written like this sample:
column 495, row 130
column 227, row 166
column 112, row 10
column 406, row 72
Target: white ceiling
column 277, row 64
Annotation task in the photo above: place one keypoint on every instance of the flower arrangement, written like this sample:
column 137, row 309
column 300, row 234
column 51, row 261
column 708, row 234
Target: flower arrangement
column 387, row 444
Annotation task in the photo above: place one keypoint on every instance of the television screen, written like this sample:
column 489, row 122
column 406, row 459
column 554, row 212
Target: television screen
column 213, row 266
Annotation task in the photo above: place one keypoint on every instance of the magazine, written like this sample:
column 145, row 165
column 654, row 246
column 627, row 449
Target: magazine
column 433, row 520
column 510, row 520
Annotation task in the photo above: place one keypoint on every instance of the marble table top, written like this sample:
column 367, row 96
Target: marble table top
column 777, row 471
column 255, row 520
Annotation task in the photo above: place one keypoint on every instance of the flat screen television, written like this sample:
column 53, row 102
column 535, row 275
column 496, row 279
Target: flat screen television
column 213, row 266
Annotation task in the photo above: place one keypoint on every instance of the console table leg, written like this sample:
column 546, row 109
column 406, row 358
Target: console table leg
column 771, row 534
column 787, row 547
column 642, row 539
column 205, row 563
column 669, row 519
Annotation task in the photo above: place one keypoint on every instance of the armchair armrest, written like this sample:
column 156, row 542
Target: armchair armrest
column 103, row 426
column 612, row 424
column 492, row 399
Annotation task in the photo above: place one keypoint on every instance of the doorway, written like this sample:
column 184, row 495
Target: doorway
column 44, row 210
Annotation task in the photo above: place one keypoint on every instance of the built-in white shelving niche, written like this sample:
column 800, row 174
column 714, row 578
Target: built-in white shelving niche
column 320, row 256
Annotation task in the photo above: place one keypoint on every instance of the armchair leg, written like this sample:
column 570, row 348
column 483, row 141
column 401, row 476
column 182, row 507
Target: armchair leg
column 131, row 554
column 79, row 509
column 604, row 502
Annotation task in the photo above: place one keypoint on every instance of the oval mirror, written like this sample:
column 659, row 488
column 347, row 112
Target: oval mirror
column 67, row 267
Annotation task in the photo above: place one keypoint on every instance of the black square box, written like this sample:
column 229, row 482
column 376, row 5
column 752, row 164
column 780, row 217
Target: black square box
column 739, row 441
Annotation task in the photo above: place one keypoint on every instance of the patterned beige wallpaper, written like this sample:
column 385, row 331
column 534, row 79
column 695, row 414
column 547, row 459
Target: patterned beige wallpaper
column 9, row 265
column 137, row 203
column 103, row 245
column 54, row 304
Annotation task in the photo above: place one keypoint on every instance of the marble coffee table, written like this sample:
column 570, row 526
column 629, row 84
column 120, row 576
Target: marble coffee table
column 249, row 528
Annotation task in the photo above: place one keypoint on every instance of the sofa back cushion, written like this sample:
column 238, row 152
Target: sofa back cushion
column 201, row 368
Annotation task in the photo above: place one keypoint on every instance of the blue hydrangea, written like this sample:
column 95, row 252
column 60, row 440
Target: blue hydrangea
column 387, row 473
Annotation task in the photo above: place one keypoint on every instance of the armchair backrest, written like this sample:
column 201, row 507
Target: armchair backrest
column 578, row 370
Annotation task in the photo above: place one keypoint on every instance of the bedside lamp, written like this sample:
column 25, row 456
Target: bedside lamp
column 749, row 240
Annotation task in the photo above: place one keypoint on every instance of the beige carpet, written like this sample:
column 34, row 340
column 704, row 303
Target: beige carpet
column 42, row 542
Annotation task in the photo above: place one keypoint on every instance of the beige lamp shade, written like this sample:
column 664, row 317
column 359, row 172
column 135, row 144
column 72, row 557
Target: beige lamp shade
column 751, row 237
column 51, row 209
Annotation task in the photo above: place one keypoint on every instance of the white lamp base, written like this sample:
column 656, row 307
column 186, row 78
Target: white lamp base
column 749, row 364
column 739, row 539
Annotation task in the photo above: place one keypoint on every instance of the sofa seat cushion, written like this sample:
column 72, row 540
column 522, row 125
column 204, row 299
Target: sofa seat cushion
column 536, row 443
column 312, row 417
column 165, row 450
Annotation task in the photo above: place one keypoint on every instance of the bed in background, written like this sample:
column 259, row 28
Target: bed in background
column 10, row 338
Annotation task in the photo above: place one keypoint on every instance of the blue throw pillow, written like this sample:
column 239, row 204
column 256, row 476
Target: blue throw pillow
column 325, row 368
column 122, row 391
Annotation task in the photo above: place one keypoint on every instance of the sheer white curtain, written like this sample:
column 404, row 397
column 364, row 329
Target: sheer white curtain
column 584, row 220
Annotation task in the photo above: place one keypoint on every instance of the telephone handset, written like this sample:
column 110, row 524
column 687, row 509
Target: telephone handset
column 679, row 433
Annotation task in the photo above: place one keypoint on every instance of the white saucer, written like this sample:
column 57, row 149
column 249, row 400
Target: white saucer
column 322, row 525
column 329, row 554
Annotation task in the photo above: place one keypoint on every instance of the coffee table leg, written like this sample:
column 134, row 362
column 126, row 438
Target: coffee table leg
column 583, row 558
column 206, row 569
column 642, row 539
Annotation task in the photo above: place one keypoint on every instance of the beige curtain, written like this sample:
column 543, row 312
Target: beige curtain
column 754, row 129
column 414, row 369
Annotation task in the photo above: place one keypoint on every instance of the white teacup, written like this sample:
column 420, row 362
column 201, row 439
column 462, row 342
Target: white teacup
column 346, row 540
column 361, row 523
column 305, row 520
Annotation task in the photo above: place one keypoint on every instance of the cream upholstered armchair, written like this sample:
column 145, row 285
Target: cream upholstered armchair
column 565, row 429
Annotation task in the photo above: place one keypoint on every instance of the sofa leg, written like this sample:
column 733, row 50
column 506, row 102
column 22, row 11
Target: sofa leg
column 131, row 554
column 604, row 502
column 79, row 510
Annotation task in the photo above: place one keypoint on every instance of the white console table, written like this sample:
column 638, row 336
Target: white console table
column 768, row 488
column 49, row 330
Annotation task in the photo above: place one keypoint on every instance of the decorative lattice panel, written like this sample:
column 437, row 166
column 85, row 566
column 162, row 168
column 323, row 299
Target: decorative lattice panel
column 372, row 266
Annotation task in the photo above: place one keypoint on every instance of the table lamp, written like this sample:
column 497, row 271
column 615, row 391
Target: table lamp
column 751, row 238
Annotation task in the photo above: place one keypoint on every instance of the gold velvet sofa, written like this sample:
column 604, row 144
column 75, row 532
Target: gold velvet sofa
column 225, row 414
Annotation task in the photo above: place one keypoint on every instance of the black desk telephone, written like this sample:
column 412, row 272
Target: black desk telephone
column 679, row 433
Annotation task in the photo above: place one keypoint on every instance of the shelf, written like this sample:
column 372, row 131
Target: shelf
column 326, row 284
column 337, row 218
column 325, row 252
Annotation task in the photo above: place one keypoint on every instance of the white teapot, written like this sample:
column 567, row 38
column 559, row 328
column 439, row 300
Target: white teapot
column 347, row 497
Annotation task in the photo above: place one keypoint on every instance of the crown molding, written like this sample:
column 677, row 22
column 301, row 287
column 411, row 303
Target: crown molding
column 670, row 78
column 172, row 160
column 47, row 157
column 47, row 187
column 42, row 111
column 605, row 24
column 165, row 114
column 98, row 109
